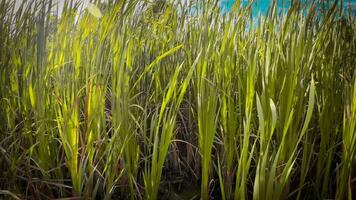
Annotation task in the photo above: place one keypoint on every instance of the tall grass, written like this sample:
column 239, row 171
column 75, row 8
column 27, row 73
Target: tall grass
column 142, row 99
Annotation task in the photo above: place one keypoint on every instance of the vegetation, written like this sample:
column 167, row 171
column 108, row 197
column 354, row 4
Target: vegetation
column 133, row 99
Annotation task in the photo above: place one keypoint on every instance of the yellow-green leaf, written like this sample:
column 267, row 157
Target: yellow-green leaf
column 94, row 10
column 32, row 96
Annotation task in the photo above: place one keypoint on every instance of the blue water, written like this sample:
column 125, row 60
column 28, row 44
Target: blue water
column 261, row 6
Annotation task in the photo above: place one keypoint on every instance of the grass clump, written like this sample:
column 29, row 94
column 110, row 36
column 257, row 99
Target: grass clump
column 153, row 100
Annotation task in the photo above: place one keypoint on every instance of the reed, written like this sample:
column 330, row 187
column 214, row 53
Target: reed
column 137, row 99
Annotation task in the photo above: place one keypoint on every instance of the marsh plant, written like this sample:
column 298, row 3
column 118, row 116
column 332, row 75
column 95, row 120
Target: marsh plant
column 136, row 99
